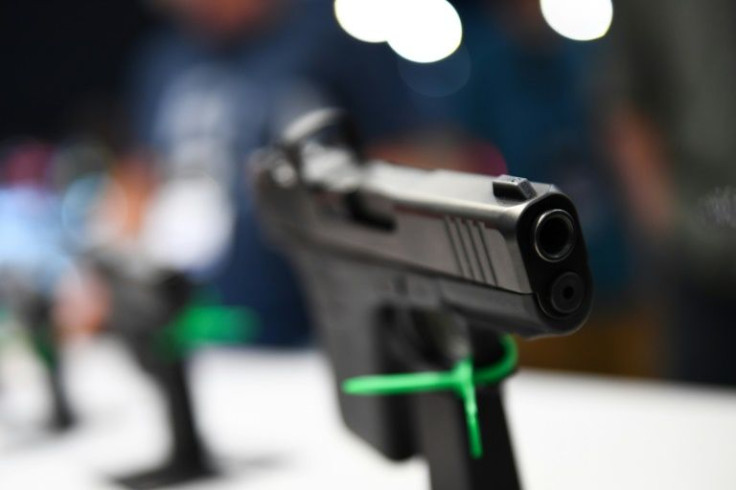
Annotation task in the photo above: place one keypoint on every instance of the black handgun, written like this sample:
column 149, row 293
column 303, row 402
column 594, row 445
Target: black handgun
column 411, row 270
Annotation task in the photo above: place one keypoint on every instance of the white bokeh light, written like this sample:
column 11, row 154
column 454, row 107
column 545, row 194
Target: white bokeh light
column 366, row 20
column 422, row 31
column 425, row 31
column 580, row 20
column 189, row 224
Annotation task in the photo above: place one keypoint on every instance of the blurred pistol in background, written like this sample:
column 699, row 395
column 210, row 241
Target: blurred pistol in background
column 410, row 270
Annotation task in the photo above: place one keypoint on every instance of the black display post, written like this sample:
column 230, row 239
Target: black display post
column 443, row 441
column 188, row 458
column 442, row 431
column 35, row 312
column 62, row 417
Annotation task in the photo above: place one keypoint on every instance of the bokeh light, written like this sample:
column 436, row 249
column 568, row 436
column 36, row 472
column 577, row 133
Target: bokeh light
column 189, row 224
column 580, row 20
column 366, row 20
column 422, row 31
column 425, row 31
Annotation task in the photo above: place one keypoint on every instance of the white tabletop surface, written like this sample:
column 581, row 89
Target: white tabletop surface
column 271, row 421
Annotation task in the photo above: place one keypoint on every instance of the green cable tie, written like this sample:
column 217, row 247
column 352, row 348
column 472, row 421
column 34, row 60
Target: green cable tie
column 43, row 342
column 202, row 325
column 462, row 379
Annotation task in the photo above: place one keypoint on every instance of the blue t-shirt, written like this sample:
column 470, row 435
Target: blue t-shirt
column 198, row 104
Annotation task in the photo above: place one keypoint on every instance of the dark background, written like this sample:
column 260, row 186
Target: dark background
column 64, row 60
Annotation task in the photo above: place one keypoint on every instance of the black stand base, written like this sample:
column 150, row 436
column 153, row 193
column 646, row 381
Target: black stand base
column 189, row 460
column 61, row 422
column 444, row 443
column 62, row 418
column 45, row 344
column 168, row 475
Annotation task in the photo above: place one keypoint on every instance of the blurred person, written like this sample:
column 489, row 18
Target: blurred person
column 218, row 82
column 673, row 112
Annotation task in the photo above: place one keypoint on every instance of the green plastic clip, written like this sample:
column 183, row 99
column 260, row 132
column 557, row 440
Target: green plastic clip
column 201, row 325
column 461, row 379
column 44, row 344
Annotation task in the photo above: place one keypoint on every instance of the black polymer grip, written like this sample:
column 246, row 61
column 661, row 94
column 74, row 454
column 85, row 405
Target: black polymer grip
column 346, row 301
